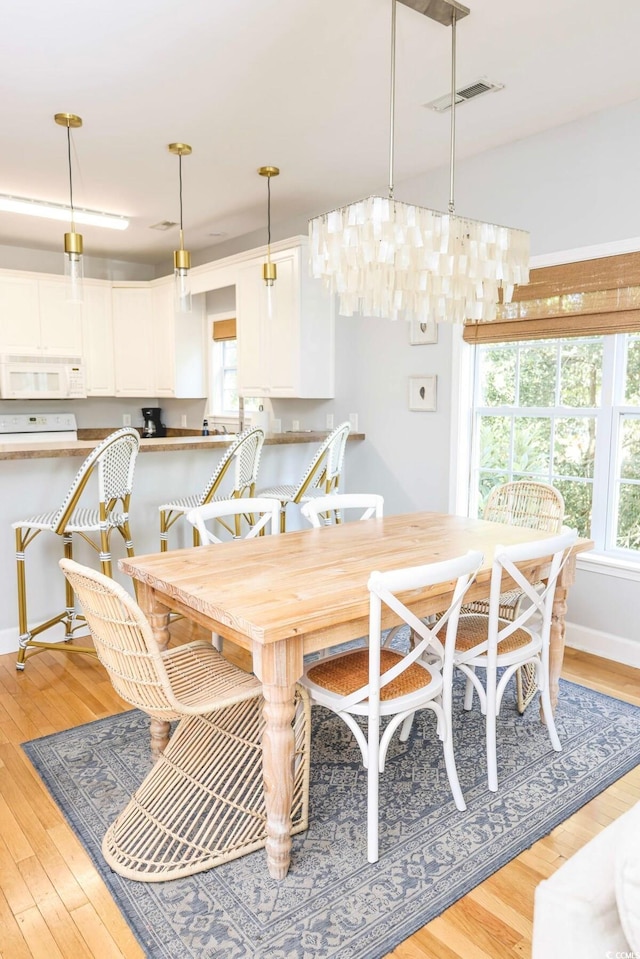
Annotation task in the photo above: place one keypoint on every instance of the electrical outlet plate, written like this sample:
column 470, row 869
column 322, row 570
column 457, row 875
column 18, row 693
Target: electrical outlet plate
column 183, row 419
column 329, row 423
column 295, row 426
column 126, row 419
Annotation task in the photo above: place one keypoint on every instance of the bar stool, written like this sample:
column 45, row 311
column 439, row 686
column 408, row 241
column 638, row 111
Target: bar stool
column 323, row 473
column 113, row 460
column 244, row 454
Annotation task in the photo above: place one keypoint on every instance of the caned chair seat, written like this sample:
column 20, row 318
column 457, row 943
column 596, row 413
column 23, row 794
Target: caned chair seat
column 234, row 476
column 202, row 803
column 113, row 460
column 322, row 475
column 368, row 684
column 473, row 631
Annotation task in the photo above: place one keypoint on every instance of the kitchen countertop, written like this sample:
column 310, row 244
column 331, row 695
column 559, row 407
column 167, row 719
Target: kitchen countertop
column 166, row 444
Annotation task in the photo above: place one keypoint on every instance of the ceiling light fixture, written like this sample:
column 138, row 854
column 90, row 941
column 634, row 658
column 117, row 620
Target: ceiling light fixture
column 73, row 266
column 269, row 269
column 387, row 258
column 59, row 211
column 181, row 257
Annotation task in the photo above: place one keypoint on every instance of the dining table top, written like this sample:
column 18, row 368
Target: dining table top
column 304, row 583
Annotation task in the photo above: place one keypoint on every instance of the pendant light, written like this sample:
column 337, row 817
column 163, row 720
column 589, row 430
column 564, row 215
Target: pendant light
column 181, row 257
column 387, row 258
column 269, row 269
column 73, row 265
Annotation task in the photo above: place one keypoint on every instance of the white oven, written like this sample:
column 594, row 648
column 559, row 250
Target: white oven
column 24, row 377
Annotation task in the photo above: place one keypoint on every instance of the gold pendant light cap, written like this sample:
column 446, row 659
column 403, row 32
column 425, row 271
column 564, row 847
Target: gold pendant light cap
column 69, row 120
column 181, row 260
column 268, row 171
column 73, row 243
column 180, row 149
column 269, row 273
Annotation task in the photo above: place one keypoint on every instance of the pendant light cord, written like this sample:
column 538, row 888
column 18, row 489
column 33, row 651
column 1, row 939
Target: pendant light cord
column 452, row 148
column 180, row 182
column 268, row 214
column 392, row 97
column 73, row 227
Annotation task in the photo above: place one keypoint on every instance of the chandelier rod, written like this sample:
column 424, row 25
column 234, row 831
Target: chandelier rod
column 392, row 96
column 452, row 146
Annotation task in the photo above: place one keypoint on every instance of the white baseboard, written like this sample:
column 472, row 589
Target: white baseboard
column 619, row 649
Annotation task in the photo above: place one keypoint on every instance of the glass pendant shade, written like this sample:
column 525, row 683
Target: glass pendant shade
column 73, row 260
column 73, row 268
column 181, row 257
column 384, row 257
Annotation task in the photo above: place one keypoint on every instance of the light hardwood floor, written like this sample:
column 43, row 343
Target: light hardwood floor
column 53, row 903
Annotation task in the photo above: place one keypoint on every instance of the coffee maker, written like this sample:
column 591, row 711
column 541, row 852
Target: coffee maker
column 152, row 425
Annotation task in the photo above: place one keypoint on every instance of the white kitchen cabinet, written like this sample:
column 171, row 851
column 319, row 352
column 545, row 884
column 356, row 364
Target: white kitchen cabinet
column 97, row 339
column 291, row 352
column 157, row 353
column 35, row 316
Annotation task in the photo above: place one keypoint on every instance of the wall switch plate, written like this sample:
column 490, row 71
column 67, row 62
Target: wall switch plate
column 329, row 423
column 183, row 419
column 126, row 419
column 295, row 426
column 276, row 425
column 353, row 421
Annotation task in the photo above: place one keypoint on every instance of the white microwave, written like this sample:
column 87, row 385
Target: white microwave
column 41, row 377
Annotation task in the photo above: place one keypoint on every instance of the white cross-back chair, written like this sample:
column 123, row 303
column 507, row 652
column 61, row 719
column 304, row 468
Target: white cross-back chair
column 323, row 473
column 491, row 642
column 234, row 476
column 81, row 514
column 381, row 682
column 536, row 506
column 202, row 803
column 325, row 510
column 258, row 515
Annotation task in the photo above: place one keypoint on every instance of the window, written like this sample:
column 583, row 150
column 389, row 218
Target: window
column 224, row 401
column 565, row 412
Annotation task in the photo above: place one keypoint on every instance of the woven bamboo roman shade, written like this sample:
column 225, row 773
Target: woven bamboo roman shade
column 224, row 330
column 586, row 298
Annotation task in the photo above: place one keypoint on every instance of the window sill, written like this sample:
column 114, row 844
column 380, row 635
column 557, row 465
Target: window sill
column 609, row 565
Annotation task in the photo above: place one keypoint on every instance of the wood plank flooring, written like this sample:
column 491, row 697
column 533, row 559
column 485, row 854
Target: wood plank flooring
column 54, row 905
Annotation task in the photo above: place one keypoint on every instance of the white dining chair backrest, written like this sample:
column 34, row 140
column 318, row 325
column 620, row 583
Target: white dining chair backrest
column 258, row 513
column 319, row 510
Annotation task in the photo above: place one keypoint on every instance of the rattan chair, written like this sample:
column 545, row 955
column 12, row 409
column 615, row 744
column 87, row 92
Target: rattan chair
column 368, row 684
column 327, row 510
column 202, row 803
column 536, row 506
column 113, row 461
column 493, row 643
column 240, row 461
column 323, row 473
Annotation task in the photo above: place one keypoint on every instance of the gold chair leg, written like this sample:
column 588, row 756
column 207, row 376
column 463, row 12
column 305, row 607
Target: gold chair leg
column 24, row 634
column 163, row 531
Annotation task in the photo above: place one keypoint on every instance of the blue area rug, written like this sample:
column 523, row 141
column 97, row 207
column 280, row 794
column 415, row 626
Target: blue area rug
column 333, row 904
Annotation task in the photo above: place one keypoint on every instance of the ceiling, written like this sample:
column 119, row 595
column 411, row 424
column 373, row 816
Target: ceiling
column 301, row 84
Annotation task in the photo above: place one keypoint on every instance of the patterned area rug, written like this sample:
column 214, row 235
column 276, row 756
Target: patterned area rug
column 333, row 904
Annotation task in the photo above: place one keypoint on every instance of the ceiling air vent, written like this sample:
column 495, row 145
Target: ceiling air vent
column 163, row 225
column 468, row 92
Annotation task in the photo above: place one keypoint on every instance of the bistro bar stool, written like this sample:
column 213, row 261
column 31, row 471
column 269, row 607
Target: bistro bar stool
column 113, row 461
column 242, row 459
column 323, row 473
column 202, row 803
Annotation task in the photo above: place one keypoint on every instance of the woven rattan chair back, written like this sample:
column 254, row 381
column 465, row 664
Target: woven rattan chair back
column 202, row 803
column 368, row 684
column 259, row 515
column 525, row 503
column 325, row 469
column 325, row 510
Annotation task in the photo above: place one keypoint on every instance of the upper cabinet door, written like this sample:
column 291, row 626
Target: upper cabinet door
column 133, row 341
column 60, row 321
column 97, row 338
column 19, row 315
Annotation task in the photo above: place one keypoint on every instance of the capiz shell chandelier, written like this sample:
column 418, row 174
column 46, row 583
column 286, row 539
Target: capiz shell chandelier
column 384, row 257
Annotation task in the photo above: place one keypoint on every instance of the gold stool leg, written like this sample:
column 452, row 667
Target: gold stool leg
column 163, row 531
column 25, row 635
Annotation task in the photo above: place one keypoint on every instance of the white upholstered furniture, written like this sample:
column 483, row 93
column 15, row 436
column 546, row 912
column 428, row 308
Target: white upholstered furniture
column 590, row 907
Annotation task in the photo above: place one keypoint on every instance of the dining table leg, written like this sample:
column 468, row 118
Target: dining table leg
column 278, row 666
column 558, row 625
column 158, row 616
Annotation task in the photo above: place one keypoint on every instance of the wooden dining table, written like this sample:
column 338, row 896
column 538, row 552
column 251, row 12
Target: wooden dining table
column 283, row 596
